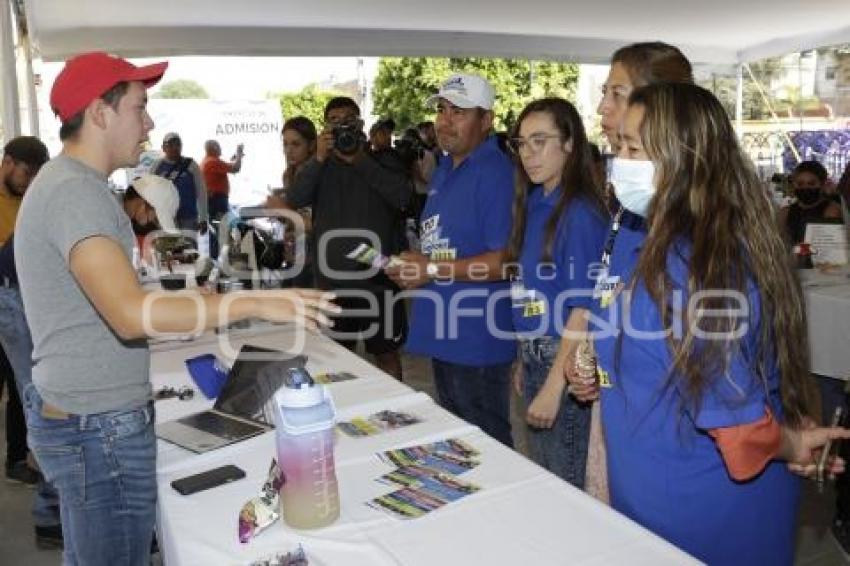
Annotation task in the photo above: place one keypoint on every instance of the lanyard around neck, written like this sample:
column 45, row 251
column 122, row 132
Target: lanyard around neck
column 612, row 237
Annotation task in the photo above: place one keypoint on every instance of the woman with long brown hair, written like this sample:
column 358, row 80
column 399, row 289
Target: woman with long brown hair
column 559, row 224
column 701, row 341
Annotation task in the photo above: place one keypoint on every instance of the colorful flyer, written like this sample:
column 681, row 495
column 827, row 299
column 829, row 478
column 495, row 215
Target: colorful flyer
column 407, row 503
column 377, row 423
column 443, row 486
column 333, row 377
column 367, row 255
column 447, row 456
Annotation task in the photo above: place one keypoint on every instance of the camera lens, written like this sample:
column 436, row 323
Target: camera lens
column 346, row 139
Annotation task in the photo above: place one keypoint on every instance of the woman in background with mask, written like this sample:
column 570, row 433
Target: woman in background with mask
column 701, row 342
column 813, row 204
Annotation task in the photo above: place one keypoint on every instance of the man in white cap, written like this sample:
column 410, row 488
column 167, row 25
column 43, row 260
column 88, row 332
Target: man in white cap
column 89, row 407
column 459, row 320
column 151, row 202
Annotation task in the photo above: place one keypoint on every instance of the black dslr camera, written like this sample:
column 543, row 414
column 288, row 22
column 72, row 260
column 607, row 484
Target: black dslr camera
column 347, row 137
column 409, row 146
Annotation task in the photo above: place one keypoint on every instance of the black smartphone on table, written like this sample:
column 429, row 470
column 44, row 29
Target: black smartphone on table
column 209, row 479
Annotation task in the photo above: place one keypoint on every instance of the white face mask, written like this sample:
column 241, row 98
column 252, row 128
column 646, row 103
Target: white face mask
column 633, row 182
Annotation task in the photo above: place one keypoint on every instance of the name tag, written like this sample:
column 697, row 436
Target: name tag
column 534, row 308
column 606, row 288
column 447, row 254
column 604, row 378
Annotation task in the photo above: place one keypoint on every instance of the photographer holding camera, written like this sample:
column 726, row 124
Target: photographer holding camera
column 351, row 189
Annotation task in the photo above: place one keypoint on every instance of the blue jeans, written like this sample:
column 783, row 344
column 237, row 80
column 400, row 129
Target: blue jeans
column 104, row 466
column 17, row 343
column 478, row 395
column 561, row 449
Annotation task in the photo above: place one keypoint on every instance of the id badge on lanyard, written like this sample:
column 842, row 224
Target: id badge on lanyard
column 525, row 299
column 606, row 287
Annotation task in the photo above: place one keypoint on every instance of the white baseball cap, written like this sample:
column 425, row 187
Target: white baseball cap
column 162, row 195
column 465, row 91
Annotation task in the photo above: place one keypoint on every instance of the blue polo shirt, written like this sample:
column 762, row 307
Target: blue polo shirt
column 664, row 470
column 468, row 213
column 566, row 281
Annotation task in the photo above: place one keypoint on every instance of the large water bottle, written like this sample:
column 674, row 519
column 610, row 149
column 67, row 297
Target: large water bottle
column 305, row 416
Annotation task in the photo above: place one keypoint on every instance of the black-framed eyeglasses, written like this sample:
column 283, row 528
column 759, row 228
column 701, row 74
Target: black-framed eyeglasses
column 535, row 143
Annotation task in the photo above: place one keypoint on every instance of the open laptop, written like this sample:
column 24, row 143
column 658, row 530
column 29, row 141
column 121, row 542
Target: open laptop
column 240, row 411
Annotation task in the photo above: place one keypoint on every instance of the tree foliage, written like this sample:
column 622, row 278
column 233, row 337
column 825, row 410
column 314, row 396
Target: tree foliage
column 404, row 83
column 309, row 102
column 766, row 71
column 181, row 88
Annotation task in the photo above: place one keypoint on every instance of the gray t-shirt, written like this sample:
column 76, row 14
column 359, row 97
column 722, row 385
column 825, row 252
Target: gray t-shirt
column 81, row 365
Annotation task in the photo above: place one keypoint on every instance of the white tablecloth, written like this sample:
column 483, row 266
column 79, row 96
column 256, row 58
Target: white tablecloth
column 522, row 515
column 828, row 313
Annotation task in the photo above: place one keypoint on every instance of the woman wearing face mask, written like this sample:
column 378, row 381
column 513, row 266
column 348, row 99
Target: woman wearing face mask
column 558, row 230
column 702, row 353
column 632, row 66
column 813, row 204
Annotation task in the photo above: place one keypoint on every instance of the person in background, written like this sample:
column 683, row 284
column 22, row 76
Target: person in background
column 429, row 136
column 89, row 407
column 356, row 199
column 22, row 158
column 381, row 135
column 464, row 231
column 843, row 189
column 215, row 171
column 187, row 177
column 151, row 202
column 701, row 348
column 812, row 203
column 299, row 146
column 559, row 227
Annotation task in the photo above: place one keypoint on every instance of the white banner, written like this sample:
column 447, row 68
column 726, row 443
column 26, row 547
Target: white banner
column 257, row 124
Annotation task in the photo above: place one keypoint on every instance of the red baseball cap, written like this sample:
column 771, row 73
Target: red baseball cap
column 89, row 75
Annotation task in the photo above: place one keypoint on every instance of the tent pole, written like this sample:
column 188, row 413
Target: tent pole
column 11, row 104
column 32, row 99
column 773, row 115
column 739, row 103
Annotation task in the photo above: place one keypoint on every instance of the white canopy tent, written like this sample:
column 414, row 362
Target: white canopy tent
column 720, row 32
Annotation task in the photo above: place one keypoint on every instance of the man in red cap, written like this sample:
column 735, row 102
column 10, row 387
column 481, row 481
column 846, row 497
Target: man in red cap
column 89, row 407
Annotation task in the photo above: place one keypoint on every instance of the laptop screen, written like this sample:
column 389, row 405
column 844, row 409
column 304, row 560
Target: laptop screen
column 256, row 375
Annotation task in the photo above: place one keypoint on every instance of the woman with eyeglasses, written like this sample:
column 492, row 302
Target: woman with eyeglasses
column 701, row 343
column 559, row 224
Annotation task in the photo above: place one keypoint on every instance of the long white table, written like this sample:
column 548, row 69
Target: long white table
column 828, row 313
column 522, row 515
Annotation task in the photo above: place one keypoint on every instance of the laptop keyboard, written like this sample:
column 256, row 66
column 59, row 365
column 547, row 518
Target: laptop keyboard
column 220, row 426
